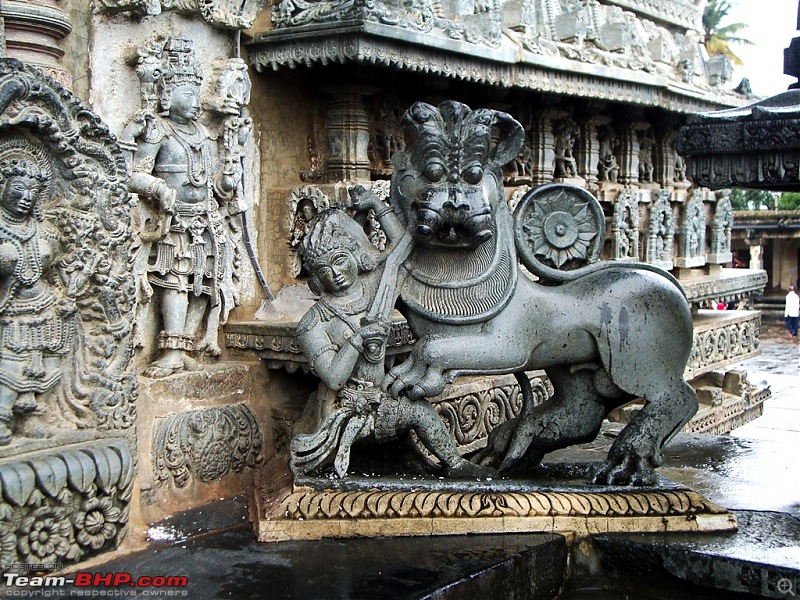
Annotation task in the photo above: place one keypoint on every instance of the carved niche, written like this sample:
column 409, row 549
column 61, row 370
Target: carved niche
column 625, row 226
column 66, row 314
column 692, row 234
column 660, row 232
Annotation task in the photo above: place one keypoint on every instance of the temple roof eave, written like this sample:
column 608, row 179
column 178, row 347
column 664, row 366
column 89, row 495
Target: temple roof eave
column 508, row 65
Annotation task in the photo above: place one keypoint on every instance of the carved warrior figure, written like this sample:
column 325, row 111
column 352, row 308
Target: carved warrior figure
column 194, row 187
column 565, row 132
column 646, row 144
column 473, row 313
column 36, row 318
column 344, row 337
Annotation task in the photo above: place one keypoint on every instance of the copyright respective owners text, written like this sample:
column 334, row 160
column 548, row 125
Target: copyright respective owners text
column 32, row 583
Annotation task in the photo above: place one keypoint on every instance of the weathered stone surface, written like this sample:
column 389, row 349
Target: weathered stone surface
column 206, row 444
column 366, row 506
column 754, row 147
column 65, row 505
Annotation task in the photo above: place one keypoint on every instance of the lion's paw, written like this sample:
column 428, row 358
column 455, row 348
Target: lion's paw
column 626, row 469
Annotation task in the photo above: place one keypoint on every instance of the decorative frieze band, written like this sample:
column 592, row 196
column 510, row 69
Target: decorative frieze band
column 724, row 341
column 307, row 504
column 66, row 505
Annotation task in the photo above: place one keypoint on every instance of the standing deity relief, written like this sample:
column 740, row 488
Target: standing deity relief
column 188, row 177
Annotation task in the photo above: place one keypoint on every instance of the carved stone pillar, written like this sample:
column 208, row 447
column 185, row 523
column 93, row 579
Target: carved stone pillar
column 32, row 32
column 587, row 147
column 757, row 257
column 664, row 157
column 543, row 145
column 347, row 130
column 627, row 153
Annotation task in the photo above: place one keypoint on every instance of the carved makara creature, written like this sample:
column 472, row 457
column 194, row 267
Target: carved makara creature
column 607, row 334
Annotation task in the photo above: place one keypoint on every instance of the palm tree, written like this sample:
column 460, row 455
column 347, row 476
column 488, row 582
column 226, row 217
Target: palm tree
column 718, row 37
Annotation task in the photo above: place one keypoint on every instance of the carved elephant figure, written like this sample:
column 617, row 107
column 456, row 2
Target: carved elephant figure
column 606, row 334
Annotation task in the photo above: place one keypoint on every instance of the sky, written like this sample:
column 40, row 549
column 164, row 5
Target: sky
column 771, row 25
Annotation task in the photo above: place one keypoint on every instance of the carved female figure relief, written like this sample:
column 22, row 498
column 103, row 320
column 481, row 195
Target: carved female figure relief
column 36, row 318
column 344, row 338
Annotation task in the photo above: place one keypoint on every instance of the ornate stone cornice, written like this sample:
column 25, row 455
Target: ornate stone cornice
column 729, row 284
column 677, row 12
column 507, row 66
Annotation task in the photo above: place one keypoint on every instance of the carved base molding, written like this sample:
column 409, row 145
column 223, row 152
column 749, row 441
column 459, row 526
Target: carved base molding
column 722, row 338
column 65, row 505
column 284, row 511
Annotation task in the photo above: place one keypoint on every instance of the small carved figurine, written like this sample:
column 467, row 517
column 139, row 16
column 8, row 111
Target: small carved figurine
column 607, row 168
column 194, row 187
column 646, row 143
column 36, row 318
column 565, row 132
column 344, row 337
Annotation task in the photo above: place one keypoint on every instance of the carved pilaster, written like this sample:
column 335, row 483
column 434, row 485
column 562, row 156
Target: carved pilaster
column 627, row 153
column 721, row 230
column 692, row 234
column 347, row 129
column 587, row 147
column 661, row 232
column 31, row 33
column 543, row 154
column 625, row 226
column 664, row 157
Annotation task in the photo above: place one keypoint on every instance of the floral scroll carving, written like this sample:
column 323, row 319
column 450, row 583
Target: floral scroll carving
column 206, row 444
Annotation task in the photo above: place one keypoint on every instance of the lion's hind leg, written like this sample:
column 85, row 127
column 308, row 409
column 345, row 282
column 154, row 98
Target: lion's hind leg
column 572, row 416
column 638, row 450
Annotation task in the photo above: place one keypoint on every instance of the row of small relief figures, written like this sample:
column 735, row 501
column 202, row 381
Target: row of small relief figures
column 562, row 135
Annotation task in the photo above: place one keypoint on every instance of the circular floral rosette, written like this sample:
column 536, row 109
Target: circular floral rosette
column 558, row 228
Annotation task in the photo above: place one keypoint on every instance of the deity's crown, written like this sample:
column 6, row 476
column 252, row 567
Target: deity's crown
column 180, row 63
column 327, row 232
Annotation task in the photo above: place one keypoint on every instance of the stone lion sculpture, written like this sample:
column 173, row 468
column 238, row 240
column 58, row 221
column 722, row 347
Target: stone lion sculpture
column 604, row 332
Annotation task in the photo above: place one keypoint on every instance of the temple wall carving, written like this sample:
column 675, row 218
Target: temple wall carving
column 67, row 385
column 144, row 203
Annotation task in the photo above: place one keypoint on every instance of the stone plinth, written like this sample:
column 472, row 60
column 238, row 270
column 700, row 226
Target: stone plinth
column 201, row 435
column 366, row 507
